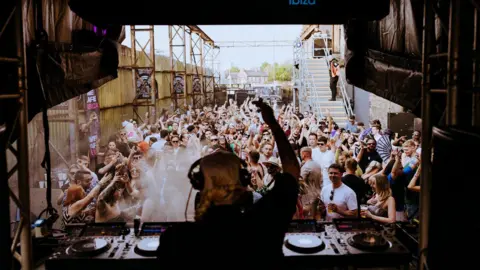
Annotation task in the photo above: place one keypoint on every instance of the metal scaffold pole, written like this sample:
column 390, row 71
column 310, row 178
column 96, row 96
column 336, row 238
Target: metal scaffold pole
column 196, row 59
column 216, row 73
column 178, row 65
column 143, row 70
column 20, row 148
column 208, row 84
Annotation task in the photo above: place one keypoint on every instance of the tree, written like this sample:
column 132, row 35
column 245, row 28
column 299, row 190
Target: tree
column 234, row 69
column 265, row 67
column 280, row 72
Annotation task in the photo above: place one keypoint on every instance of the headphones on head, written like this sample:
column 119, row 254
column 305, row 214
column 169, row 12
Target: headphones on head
column 197, row 179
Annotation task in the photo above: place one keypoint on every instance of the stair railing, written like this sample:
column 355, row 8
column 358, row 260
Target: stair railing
column 306, row 80
column 346, row 100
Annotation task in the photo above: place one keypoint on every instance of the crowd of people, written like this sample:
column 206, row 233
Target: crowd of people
column 345, row 172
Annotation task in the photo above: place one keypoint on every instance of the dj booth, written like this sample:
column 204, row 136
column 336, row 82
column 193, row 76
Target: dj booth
column 348, row 243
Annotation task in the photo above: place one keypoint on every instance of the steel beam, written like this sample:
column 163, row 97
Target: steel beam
column 143, row 74
column 208, row 79
column 196, row 60
column 216, row 70
column 178, row 65
column 255, row 43
column 20, row 169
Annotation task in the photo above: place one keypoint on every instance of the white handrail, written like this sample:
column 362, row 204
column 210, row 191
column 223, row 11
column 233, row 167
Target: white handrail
column 346, row 100
column 305, row 78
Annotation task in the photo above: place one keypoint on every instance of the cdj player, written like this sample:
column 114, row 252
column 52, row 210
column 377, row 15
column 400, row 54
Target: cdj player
column 109, row 246
column 308, row 243
column 347, row 243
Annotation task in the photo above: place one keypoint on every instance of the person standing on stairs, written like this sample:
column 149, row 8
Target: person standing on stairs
column 334, row 71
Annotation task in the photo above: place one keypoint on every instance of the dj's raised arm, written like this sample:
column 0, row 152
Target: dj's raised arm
column 287, row 155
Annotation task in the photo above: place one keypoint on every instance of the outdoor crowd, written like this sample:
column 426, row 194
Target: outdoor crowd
column 345, row 172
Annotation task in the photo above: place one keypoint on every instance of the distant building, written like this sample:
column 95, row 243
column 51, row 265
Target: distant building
column 246, row 77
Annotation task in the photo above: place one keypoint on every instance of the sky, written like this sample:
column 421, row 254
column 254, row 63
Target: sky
column 242, row 57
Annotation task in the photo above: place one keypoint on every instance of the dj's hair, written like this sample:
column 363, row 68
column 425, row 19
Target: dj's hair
column 74, row 194
column 222, row 182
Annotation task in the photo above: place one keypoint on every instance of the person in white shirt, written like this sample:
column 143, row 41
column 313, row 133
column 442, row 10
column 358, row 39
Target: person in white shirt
column 153, row 133
column 158, row 146
column 323, row 157
column 338, row 199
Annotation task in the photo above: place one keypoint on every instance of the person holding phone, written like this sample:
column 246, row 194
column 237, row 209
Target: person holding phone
column 334, row 72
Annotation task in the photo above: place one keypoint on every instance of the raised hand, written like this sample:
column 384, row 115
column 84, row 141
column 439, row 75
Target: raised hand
column 266, row 110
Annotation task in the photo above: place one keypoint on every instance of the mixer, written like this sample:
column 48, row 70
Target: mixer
column 346, row 242
column 110, row 245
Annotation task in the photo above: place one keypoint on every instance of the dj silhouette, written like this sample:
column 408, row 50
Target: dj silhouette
column 230, row 232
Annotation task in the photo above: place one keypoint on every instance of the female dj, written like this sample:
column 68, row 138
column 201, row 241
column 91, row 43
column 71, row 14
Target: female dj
column 227, row 225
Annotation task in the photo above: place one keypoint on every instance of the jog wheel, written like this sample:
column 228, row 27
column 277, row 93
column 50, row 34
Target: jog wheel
column 89, row 247
column 304, row 243
column 147, row 247
column 368, row 242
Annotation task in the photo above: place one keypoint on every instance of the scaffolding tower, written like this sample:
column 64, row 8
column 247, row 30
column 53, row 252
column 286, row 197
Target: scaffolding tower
column 143, row 70
column 197, row 60
column 201, row 45
column 457, row 93
column 14, row 63
column 213, row 69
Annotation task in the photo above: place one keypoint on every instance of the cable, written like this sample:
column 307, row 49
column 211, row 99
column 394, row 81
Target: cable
column 42, row 39
column 188, row 202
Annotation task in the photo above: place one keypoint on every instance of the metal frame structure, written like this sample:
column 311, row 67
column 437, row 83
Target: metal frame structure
column 200, row 47
column 462, row 77
column 149, row 65
column 197, row 60
column 216, row 68
column 19, row 95
column 212, row 80
column 178, row 55
column 255, row 43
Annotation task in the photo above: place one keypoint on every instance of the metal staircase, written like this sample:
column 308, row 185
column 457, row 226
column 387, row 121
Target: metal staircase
column 312, row 79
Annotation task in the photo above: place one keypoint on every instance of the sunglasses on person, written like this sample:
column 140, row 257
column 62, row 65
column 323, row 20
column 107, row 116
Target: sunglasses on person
column 174, row 141
column 321, row 144
column 331, row 195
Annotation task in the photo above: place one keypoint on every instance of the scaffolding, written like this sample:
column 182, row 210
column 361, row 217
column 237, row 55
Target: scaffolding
column 201, row 45
column 462, row 77
column 143, row 74
column 178, row 64
column 255, row 43
column 197, row 60
column 213, row 75
column 19, row 149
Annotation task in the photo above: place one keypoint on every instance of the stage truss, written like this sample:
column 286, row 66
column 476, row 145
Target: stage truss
column 203, row 54
column 15, row 65
column 460, row 90
column 178, row 66
column 143, row 70
column 212, row 69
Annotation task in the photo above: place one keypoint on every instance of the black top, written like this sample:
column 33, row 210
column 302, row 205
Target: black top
column 358, row 185
column 242, row 240
column 368, row 157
